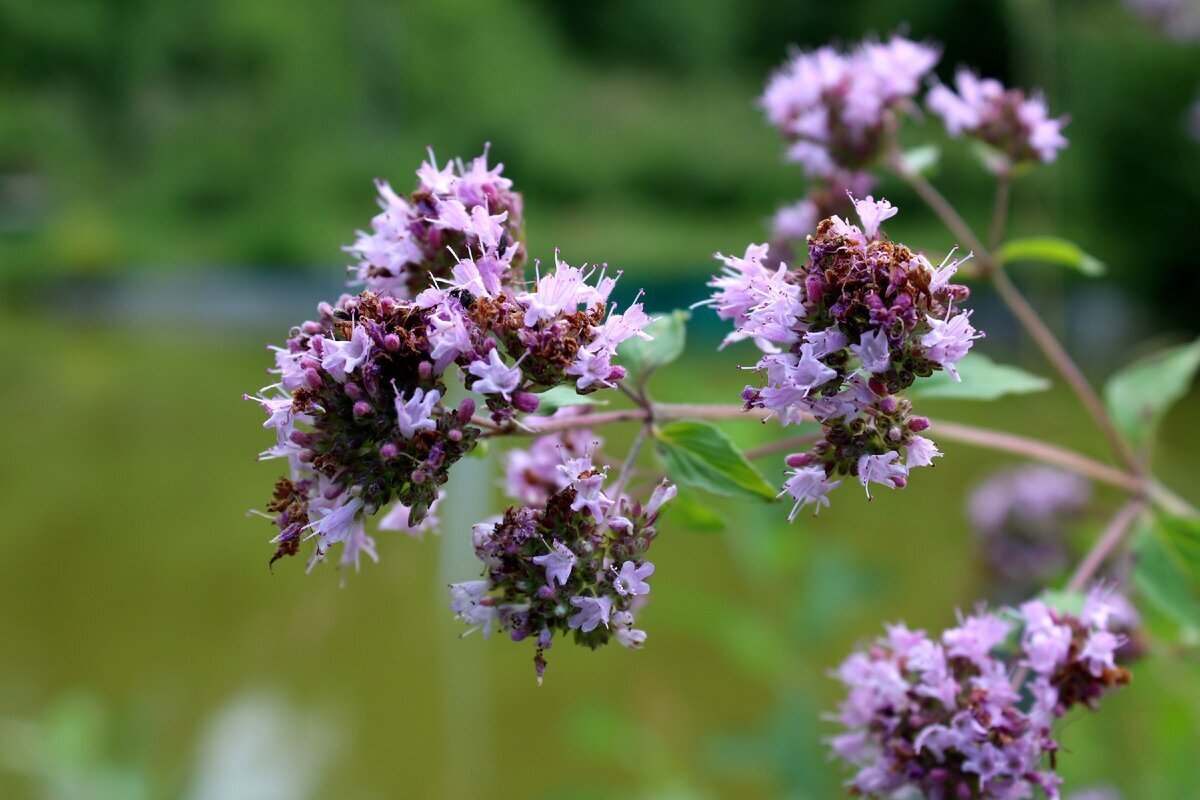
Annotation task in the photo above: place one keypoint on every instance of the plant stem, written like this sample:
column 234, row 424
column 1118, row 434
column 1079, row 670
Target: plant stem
column 1000, row 210
column 1062, row 361
column 1024, row 446
column 627, row 467
column 1106, row 544
column 781, row 445
column 1025, row 313
column 941, row 206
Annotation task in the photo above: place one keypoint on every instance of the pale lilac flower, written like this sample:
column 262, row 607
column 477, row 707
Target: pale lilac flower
column 279, row 414
column 663, row 494
column 399, row 518
column 1099, row 651
column 494, row 376
column 884, row 469
column 355, row 544
column 921, row 452
column 1046, row 643
column 631, row 580
column 975, row 638
column 949, row 340
column 433, row 179
column 874, row 351
column 558, row 564
column 415, row 413
column 468, row 602
column 337, row 521
column 342, row 358
column 808, row 485
column 562, row 291
column 589, row 495
column 593, row 611
column 627, row 635
column 873, row 212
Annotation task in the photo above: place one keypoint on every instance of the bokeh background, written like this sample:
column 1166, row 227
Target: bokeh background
column 176, row 181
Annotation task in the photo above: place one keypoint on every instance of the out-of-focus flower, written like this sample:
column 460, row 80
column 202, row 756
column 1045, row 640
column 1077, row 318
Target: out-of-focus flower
column 940, row 717
column 1016, row 125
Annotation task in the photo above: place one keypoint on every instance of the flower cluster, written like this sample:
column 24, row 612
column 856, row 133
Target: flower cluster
column 1016, row 125
column 860, row 322
column 836, row 108
column 942, row 718
column 572, row 565
column 359, row 406
column 456, row 211
column 1021, row 518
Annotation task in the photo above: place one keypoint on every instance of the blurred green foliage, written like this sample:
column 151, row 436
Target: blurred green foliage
column 171, row 135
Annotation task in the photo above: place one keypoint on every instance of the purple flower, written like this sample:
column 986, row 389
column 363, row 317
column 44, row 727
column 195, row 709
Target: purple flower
column 921, row 452
column 337, row 521
column 663, row 494
column 808, row 485
column 593, row 611
column 414, row 414
column 1046, row 643
column 494, row 376
column 558, row 564
column 631, row 580
column 884, row 469
column 874, row 351
column 873, row 212
column 342, row 358
column 627, row 635
column 399, row 518
column 795, row 221
column 949, row 340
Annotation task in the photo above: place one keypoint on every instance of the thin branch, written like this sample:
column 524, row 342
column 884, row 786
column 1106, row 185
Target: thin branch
column 1062, row 361
column 627, row 467
column 1106, row 544
column 941, row 206
column 781, row 445
column 1000, row 210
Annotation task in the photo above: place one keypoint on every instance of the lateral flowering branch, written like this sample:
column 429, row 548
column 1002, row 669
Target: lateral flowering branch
column 842, row 336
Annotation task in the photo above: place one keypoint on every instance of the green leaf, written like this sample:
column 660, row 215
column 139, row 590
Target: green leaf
column 562, row 396
column 1051, row 250
column 920, row 160
column 1168, row 568
column 688, row 512
column 982, row 379
column 641, row 357
column 698, row 454
column 1139, row 395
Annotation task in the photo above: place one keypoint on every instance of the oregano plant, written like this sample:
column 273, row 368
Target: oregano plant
column 451, row 338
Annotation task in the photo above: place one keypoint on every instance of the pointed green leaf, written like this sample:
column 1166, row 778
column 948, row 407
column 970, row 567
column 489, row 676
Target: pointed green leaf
column 1050, row 250
column 1168, row 568
column 1139, row 395
column 982, row 379
column 688, row 512
column 641, row 357
column 698, row 454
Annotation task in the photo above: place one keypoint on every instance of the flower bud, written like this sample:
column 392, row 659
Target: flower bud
column 454, row 435
column 352, row 390
column 389, row 450
column 797, row 460
column 918, row 424
column 465, row 411
column 425, row 370
column 418, row 476
column 526, row 402
column 362, row 408
column 311, row 328
column 617, row 373
column 888, row 405
column 313, row 379
column 300, row 437
column 391, row 343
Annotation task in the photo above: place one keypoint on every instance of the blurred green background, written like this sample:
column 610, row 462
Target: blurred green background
column 175, row 183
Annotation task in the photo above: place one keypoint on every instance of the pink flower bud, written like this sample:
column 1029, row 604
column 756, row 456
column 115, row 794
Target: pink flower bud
column 888, row 405
column 362, row 408
column 465, row 411
column 618, row 373
column 313, row 379
column 455, row 435
column 526, row 402
column 391, row 343
column 311, row 328
column 300, row 437
column 425, row 370
column 918, row 424
column 389, row 450
column 418, row 476
column 797, row 460
column 353, row 391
